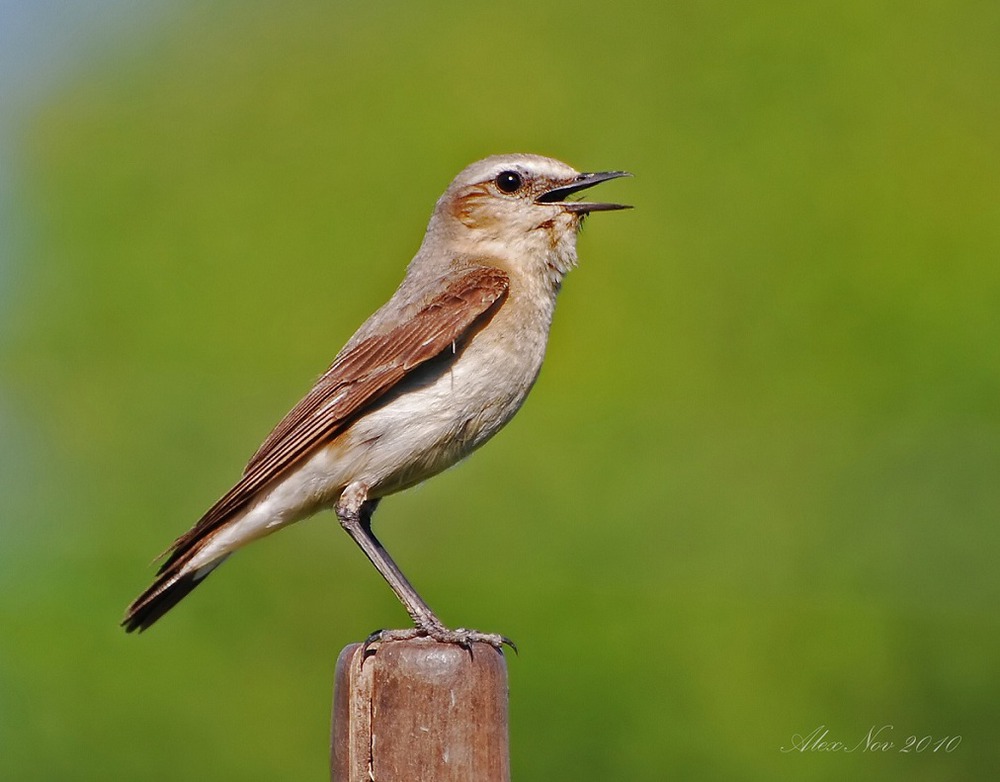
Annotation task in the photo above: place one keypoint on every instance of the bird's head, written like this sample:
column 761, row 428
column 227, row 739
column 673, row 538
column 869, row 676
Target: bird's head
column 519, row 206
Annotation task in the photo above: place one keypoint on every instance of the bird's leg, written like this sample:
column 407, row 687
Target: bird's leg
column 354, row 510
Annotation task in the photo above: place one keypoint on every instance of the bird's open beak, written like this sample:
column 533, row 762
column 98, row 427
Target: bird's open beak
column 557, row 195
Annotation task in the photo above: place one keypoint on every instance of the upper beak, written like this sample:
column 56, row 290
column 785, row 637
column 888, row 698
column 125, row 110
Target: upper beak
column 582, row 182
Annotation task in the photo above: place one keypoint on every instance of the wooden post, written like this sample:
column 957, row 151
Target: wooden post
column 420, row 710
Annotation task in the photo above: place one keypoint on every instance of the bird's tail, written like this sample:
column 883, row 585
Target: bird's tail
column 170, row 587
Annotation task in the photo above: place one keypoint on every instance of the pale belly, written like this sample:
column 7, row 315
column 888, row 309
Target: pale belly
column 427, row 429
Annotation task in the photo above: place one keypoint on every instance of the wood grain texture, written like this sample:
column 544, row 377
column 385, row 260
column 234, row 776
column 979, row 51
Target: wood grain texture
column 420, row 710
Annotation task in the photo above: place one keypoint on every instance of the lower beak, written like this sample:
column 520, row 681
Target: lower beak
column 557, row 195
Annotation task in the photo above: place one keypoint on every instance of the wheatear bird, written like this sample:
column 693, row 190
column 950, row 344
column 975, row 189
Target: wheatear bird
column 427, row 379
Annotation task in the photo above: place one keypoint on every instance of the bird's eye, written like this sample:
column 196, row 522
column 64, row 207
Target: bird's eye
column 509, row 181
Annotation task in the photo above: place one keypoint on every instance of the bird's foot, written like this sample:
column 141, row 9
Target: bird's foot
column 460, row 637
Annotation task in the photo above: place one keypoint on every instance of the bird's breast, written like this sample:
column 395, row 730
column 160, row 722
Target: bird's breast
column 446, row 409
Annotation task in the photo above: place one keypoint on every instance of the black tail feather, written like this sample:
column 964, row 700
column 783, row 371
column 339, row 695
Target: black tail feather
column 166, row 592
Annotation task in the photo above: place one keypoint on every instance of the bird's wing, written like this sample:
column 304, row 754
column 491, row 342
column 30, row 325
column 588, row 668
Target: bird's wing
column 356, row 379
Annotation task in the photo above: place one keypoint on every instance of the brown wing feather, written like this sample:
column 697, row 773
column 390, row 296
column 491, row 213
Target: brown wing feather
column 358, row 378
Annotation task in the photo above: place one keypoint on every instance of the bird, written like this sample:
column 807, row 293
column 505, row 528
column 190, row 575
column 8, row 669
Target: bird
column 432, row 375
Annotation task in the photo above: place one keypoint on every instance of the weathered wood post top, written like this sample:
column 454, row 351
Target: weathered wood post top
column 407, row 711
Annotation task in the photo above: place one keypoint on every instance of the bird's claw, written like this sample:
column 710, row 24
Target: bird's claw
column 460, row 637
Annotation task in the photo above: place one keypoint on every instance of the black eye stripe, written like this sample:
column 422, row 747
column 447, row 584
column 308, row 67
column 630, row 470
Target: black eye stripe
column 509, row 181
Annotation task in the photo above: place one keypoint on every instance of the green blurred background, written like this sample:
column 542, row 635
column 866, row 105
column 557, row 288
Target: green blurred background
column 754, row 492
